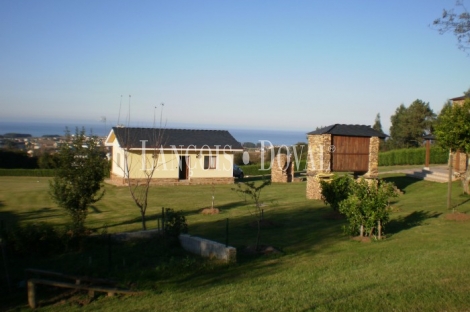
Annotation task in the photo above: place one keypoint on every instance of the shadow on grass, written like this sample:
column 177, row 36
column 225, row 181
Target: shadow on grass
column 401, row 182
column 415, row 218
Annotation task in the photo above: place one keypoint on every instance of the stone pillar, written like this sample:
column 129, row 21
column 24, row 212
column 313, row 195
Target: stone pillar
column 460, row 162
column 318, row 163
column 373, row 170
column 282, row 169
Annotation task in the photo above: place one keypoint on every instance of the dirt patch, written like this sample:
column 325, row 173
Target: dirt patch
column 265, row 223
column 458, row 216
column 363, row 239
column 333, row 215
column 210, row 211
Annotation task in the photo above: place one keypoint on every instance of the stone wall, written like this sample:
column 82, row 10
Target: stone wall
column 282, row 169
column 318, row 163
column 318, row 160
column 373, row 171
column 459, row 162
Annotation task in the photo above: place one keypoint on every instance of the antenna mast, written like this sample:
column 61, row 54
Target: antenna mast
column 119, row 116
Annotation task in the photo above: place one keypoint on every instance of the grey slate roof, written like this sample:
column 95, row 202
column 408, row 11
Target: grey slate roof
column 181, row 138
column 349, row 130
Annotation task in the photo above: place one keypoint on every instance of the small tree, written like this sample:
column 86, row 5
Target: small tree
column 254, row 191
column 79, row 177
column 452, row 132
column 367, row 206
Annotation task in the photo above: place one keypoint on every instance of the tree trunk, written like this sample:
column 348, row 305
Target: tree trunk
column 379, row 229
column 466, row 179
column 144, row 226
column 449, row 182
column 361, row 231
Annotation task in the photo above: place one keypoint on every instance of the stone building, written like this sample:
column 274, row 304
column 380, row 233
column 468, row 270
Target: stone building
column 341, row 148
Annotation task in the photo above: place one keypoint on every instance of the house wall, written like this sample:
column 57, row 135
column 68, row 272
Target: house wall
column 167, row 166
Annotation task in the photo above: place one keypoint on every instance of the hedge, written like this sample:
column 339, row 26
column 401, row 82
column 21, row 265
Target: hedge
column 251, row 170
column 27, row 172
column 412, row 156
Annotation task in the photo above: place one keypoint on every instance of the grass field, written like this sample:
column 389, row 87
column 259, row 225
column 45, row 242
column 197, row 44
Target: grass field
column 422, row 265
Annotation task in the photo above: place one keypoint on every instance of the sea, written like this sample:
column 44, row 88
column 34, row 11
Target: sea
column 39, row 129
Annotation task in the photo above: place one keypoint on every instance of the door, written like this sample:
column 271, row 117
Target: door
column 183, row 168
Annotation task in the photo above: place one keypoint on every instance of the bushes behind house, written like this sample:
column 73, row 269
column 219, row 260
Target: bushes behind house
column 412, row 156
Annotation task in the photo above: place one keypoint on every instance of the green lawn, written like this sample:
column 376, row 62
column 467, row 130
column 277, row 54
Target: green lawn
column 422, row 265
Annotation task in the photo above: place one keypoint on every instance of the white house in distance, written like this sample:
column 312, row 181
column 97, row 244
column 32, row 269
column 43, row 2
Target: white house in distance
column 183, row 156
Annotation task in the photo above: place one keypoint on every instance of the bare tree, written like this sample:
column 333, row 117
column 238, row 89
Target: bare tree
column 151, row 142
column 457, row 22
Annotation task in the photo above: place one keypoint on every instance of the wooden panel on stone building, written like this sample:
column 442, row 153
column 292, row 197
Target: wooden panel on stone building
column 350, row 153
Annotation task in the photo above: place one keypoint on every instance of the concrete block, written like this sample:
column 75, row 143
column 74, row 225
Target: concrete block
column 207, row 248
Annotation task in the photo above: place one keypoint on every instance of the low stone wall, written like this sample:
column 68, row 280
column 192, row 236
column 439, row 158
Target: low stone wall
column 120, row 181
column 207, row 248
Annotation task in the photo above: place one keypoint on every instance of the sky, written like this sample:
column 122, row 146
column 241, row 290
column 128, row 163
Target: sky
column 273, row 65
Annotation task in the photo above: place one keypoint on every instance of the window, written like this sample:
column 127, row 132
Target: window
column 209, row 162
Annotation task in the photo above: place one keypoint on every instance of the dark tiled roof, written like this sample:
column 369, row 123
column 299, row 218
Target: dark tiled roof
column 349, row 130
column 459, row 98
column 132, row 138
column 429, row 137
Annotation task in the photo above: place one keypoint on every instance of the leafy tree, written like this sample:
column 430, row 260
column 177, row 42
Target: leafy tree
column 254, row 191
column 366, row 208
column 79, row 177
column 249, row 145
column 377, row 124
column 409, row 124
column 453, row 131
column 47, row 160
column 457, row 22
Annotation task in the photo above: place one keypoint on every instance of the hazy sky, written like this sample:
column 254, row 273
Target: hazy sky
column 293, row 65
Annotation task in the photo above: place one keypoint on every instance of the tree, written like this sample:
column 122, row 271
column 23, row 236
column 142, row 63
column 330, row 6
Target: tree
column 254, row 191
column 409, row 124
column 453, row 132
column 148, row 158
column 377, row 124
column 456, row 22
column 81, row 169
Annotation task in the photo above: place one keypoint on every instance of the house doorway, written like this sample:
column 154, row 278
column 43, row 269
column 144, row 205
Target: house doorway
column 183, row 168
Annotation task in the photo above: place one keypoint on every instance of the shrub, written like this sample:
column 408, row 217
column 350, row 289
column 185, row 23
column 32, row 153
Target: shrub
column 367, row 206
column 336, row 190
column 174, row 223
column 37, row 239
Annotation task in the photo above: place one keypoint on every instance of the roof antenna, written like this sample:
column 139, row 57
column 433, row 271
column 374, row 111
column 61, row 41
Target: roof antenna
column 119, row 115
column 154, row 111
column 129, row 113
column 161, row 114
